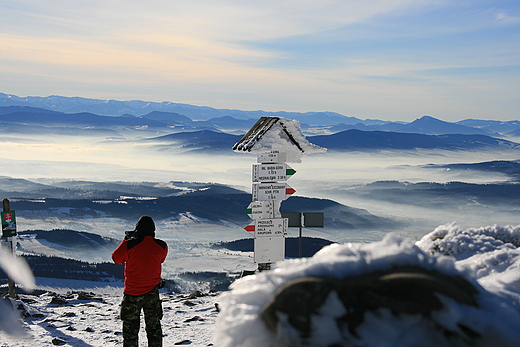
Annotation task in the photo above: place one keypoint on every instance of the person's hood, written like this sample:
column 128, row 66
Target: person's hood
column 145, row 227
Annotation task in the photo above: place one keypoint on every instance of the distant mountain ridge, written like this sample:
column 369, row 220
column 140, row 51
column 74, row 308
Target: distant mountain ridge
column 139, row 108
column 203, row 202
column 433, row 126
column 357, row 140
column 220, row 134
column 169, row 112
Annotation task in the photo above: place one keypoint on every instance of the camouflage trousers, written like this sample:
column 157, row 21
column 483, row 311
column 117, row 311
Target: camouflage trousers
column 131, row 315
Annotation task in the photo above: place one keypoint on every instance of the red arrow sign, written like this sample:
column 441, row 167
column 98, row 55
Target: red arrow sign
column 290, row 191
column 250, row 228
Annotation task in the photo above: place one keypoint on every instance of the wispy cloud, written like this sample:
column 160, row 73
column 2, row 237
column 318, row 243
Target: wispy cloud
column 503, row 17
column 274, row 55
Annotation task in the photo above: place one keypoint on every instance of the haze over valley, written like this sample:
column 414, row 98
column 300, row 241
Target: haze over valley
column 164, row 151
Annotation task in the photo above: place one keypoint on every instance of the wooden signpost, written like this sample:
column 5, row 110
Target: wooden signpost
column 269, row 189
column 276, row 141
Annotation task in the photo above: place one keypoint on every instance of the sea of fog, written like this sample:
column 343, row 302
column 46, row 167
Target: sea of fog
column 329, row 175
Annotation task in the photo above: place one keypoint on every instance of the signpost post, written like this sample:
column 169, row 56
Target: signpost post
column 303, row 220
column 269, row 189
column 8, row 232
column 275, row 141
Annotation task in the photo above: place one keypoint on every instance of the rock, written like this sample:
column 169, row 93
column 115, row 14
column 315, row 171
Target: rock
column 88, row 296
column 402, row 290
column 195, row 294
column 193, row 319
column 57, row 341
column 59, row 301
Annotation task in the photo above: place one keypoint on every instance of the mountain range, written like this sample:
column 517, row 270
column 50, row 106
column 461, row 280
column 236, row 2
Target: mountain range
column 139, row 108
column 179, row 132
column 207, row 202
column 176, row 113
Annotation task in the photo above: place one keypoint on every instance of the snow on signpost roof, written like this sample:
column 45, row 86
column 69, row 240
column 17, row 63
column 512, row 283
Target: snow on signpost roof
column 277, row 133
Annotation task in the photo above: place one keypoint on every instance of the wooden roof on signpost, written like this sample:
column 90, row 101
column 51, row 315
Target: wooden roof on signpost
column 262, row 126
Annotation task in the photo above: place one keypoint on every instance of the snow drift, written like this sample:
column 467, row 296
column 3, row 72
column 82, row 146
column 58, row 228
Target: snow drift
column 481, row 264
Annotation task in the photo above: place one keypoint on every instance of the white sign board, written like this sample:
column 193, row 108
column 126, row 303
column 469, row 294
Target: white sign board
column 264, row 209
column 271, row 227
column 271, row 191
column 272, row 157
column 269, row 249
column 272, row 172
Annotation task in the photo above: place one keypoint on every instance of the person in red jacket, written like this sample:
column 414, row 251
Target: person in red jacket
column 143, row 255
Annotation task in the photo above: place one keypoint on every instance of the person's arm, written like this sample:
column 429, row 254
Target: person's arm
column 120, row 255
column 165, row 254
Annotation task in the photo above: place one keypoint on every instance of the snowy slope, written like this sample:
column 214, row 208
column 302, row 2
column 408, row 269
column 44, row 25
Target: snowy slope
column 483, row 311
column 89, row 317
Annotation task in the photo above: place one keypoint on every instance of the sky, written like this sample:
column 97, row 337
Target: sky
column 378, row 59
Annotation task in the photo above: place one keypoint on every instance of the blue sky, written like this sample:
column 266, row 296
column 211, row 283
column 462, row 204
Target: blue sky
column 384, row 59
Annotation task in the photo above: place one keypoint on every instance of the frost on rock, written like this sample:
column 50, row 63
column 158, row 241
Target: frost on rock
column 387, row 293
column 490, row 254
column 277, row 134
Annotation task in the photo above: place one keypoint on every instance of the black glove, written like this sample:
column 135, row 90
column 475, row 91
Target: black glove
column 130, row 234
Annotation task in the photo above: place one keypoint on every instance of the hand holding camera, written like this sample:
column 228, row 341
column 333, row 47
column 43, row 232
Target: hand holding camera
column 130, row 234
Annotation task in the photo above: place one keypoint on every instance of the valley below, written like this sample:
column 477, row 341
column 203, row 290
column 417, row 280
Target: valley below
column 92, row 176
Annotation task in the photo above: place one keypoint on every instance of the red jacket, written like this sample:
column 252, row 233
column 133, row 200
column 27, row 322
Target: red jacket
column 143, row 258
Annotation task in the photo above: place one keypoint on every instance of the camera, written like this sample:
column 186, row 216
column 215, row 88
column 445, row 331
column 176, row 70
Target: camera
column 130, row 234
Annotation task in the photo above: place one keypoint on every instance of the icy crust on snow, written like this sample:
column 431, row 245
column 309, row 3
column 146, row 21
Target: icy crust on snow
column 449, row 239
column 489, row 254
column 497, row 318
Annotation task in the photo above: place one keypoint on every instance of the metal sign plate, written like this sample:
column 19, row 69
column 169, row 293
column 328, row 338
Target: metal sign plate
column 272, row 157
column 272, row 172
column 264, row 209
column 271, row 191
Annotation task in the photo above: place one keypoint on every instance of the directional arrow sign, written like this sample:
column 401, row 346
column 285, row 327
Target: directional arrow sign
column 272, row 172
column 263, row 209
column 271, row 191
column 272, row 227
column 251, row 227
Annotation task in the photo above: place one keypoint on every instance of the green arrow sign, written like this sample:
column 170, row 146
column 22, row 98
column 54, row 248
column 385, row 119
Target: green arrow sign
column 274, row 172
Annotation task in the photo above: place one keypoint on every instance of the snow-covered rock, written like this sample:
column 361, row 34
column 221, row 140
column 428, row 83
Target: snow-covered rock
column 387, row 293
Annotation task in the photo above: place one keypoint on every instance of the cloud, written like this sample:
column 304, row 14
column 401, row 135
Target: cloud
column 274, row 55
column 504, row 18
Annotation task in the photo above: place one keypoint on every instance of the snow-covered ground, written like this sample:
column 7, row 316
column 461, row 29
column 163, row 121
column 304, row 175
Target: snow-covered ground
column 448, row 311
column 86, row 314
column 90, row 317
